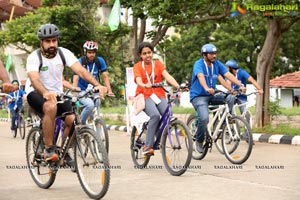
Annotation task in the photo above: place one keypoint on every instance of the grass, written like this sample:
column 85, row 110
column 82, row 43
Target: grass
column 284, row 129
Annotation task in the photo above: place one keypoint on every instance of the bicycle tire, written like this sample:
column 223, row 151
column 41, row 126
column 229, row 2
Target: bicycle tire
column 248, row 118
column 136, row 147
column 193, row 126
column 16, row 129
column 237, row 146
column 176, row 143
column 102, row 132
column 39, row 170
column 191, row 117
column 92, row 164
column 22, row 128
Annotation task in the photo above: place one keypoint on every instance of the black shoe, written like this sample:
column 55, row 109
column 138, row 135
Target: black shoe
column 50, row 154
column 70, row 162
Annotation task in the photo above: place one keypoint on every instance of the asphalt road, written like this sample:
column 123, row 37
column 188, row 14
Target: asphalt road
column 272, row 172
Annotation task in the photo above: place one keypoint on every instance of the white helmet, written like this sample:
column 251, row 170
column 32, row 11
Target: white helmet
column 90, row 46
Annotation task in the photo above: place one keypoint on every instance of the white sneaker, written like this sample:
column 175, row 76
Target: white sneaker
column 198, row 147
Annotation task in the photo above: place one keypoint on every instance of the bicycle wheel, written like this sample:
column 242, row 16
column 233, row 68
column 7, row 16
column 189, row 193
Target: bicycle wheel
column 176, row 148
column 91, row 163
column 16, row 129
column 38, row 168
column 22, row 128
column 248, row 117
column 102, row 132
column 193, row 126
column 237, row 140
column 136, row 147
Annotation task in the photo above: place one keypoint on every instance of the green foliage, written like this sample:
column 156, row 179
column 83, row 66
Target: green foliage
column 274, row 108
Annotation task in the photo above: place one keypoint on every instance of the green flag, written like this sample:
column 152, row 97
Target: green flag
column 8, row 63
column 114, row 16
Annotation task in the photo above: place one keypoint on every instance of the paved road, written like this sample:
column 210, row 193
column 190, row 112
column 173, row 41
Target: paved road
column 272, row 172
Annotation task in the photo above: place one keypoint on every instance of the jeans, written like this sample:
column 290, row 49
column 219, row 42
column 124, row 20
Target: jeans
column 154, row 112
column 242, row 108
column 89, row 105
column 201, row 103
column 14, row 114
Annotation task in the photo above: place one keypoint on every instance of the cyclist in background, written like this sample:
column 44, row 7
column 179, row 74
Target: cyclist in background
column 15, row 104
column 206, row 72
column 6, row 85
column 243, row 77
column 95, row 66
column 47, row 83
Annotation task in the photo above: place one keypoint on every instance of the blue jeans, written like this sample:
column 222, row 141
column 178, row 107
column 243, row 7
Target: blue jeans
column 14, row 114
column 89, row 105
column 201, row 103
column 154, row 112
column 242, row 108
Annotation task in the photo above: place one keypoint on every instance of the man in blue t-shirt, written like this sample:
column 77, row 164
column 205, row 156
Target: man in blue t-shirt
column 206, row 72
column 243, row 77
column 15, row 101
column 95, row 67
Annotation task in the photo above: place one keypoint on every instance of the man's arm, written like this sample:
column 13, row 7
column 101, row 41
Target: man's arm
column 107, row 83
column 253, row 81
column 6, row 85
column 235, row 81
column 202, row 81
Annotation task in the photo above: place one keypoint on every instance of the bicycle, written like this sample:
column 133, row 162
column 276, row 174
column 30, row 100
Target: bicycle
column 231, row 134
column 19, row 122
column 173, row 139
column 96, row 120
column 91, row 160
column 246, row 113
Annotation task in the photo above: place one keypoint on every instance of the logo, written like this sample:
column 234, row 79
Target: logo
column 44, row 68
column 267, row 10
column 236, row 9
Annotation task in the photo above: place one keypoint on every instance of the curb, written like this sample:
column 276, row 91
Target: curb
column 257, row 137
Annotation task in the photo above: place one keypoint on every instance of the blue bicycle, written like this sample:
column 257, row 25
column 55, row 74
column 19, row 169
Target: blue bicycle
column 173, row 139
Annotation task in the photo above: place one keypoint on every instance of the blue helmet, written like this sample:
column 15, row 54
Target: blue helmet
column 208, row 48
column 232, row 64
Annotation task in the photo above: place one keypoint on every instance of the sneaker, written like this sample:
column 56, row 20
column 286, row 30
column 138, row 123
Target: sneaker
column 198, row 146
column 70, row 162
column 12, row 133
column 148, row 150
column 50, row 154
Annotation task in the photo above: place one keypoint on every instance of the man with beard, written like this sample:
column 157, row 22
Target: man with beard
column 47, row 83
column 206, row 72
column 96, row 66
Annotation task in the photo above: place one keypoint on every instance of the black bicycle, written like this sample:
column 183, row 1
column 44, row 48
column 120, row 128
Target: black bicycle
column 91, row 160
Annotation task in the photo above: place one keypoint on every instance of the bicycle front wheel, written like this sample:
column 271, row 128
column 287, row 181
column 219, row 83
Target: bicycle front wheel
column 193, row 126
column 41, row 174
column 177, row 147
column 92, row 165
column 22, row 128
column 137, row 142
column 102, row 132
column 237, row 140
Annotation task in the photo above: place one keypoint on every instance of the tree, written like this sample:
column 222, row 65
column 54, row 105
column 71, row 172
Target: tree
column 167, row 13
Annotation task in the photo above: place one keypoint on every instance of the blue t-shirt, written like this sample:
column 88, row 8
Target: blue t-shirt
column 94, row 70
column 211, row 75
column 242, row 76
column 18, row 95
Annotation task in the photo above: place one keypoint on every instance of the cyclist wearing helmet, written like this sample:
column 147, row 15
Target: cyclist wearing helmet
column 206, row 72
column 6, row 85
column 243, row 77
column 95, row 67
column 15, row 104
column 47, row 83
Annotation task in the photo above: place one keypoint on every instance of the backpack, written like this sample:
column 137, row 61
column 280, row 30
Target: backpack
column 84, row 62
column 39, row 54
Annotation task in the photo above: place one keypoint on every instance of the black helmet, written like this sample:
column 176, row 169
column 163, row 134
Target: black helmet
column 47, row 31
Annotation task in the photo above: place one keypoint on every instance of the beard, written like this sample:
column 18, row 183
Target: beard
column 50, row 52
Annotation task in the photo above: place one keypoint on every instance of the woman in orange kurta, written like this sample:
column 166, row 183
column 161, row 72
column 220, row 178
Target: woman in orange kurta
column 147, row 72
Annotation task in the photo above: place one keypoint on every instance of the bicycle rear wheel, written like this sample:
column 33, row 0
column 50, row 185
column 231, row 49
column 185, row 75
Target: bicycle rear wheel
column 193, row 126
column 102, row 132
column 137, row 143
column 22, row 128
column 92, row 165
column 38, row 168
column 177, row 147
column 237, row 140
